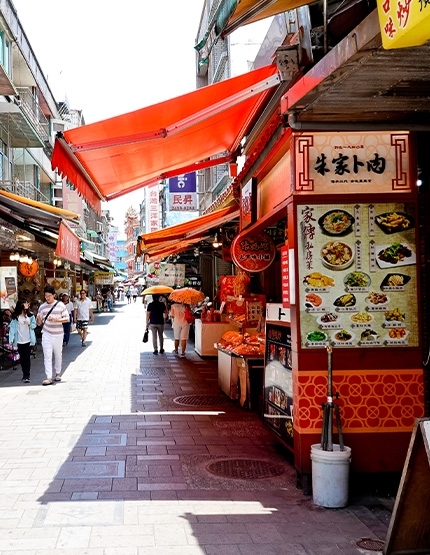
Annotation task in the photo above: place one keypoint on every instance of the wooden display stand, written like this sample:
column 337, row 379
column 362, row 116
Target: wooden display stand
column 409, row 530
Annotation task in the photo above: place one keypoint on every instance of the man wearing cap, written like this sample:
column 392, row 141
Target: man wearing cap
column 50, row 317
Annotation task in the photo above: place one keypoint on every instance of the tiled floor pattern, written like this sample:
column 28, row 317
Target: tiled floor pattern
column 108, row 462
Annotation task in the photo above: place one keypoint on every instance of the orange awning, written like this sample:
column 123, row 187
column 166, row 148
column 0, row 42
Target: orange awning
column 113, row 157
column 178, row 238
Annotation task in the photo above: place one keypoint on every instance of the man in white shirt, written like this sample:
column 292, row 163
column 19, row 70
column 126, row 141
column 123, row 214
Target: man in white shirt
column 83, row 314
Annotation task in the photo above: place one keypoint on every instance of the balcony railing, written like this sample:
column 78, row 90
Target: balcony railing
column 32, row 111
column 24, row 189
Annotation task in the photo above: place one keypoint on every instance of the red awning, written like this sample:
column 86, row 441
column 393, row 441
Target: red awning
column 113, row 157
column 178, row 238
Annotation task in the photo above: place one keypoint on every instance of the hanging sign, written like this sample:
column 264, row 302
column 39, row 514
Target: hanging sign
column 253, row 253
column 285, row 276
column 182, row 193
column 68, row 244
column 351, row 163
column 404, row 23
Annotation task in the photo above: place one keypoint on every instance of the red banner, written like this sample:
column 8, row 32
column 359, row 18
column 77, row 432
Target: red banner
column 285, row 270
column 68, row 244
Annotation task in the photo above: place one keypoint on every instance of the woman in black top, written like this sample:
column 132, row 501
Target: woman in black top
column 155, row 314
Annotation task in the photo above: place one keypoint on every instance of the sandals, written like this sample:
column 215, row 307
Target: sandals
column 47, row 382
column 57, row 377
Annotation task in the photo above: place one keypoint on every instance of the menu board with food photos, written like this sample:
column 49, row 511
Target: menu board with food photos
column 358, row 277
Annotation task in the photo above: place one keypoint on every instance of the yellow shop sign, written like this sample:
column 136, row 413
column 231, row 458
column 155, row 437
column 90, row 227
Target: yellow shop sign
column 404, row 23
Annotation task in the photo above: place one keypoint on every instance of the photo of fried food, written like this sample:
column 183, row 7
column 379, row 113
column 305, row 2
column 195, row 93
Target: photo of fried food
column 393, row 222
column 316, row 279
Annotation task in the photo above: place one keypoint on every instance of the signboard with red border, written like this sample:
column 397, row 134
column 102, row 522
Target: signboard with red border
column 253, row 253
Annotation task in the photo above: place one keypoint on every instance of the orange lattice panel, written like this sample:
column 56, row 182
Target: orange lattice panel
column 369, row 400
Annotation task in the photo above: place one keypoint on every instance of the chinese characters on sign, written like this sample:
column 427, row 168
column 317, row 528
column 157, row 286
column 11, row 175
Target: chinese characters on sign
column 152, row 208
column 404, row 23
column 307, row 226
column 351, row 163
column 247, row 203
column 68, row 244
column 182, row 193
column 253, row 253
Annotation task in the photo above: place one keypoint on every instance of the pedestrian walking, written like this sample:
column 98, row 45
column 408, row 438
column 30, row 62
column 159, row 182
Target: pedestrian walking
column 83, row 315
column 109, row 300
column 134, row 294
column 67, row 325
column 155, row 315
column 50, row 317
column 22, row 335
column 181, row 328
column 128, row 295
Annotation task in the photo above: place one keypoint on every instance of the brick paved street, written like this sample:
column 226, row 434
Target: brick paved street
column 107, row 462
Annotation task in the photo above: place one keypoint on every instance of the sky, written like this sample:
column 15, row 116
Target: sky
column 110, row 57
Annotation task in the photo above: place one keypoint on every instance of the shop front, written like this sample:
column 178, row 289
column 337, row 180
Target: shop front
column 347, row 279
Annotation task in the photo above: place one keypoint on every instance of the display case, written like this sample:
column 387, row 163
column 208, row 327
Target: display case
column 278, row 382
column 207, row 334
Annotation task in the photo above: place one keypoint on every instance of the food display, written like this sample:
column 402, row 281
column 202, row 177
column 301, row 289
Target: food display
column 376, row 298
column 350, row 296
column 393, row 222
column 345, row 300
column 357, row 279
column 395, row 315
column 242, row 344
column 361, row 317
column 396, row 253
column 316, row 336
column 313, row 300
column 395, row 280
column 316, row 279
column 343, row 336
column 337, row 255
column 336, row 222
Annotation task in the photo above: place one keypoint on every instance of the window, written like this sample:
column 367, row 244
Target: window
column 4, row 52
column 4, row 161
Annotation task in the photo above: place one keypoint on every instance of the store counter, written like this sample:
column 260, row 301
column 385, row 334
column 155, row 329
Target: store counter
column 241, row 377
column 207, row 334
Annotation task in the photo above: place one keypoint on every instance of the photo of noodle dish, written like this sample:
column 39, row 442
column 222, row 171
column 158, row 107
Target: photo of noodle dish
column 336, row 222
column 361, row 318
column 337, row 255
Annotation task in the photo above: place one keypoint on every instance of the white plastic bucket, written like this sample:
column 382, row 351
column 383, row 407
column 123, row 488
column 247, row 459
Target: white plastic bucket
column 330, row 476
